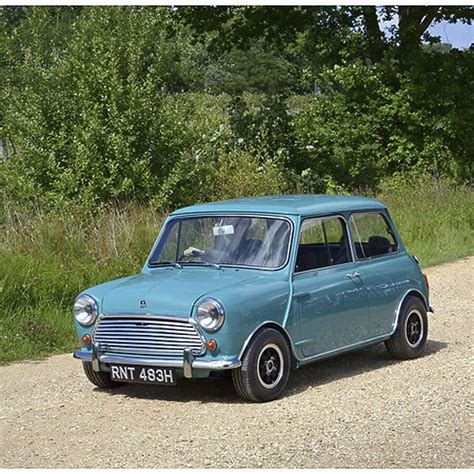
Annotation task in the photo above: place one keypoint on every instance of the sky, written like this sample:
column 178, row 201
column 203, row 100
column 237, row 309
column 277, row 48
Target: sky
column 458, row 35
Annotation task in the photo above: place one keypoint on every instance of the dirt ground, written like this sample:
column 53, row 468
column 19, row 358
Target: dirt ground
column 360, row 410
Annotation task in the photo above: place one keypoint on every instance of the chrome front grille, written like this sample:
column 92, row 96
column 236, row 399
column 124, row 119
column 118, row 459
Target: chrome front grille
column 147, row 335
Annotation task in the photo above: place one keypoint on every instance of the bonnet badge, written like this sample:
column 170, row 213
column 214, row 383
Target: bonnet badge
column 142, row 304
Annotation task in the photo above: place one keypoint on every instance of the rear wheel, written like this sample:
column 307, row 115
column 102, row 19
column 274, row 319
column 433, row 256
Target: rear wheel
column 99, row 379
column 411, row 333
column 265, row 367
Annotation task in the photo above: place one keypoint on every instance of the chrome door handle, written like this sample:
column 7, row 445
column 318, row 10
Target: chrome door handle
column 353, row 275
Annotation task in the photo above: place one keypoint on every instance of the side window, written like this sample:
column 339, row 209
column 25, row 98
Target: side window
column 323, row 242
column 372, row 235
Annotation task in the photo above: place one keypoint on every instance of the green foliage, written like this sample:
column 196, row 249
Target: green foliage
column 368, row 122
column 238, row 174
column 104, row 105
column 92, row 122
column 262, row 125
column 258, row 69
column 326, row 35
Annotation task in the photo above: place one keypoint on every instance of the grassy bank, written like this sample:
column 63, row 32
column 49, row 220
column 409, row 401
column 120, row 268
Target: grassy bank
column 46, row 259
column 434, row 218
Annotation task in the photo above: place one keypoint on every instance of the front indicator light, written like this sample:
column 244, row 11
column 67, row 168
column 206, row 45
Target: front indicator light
column 86, row 339
column 212, row 345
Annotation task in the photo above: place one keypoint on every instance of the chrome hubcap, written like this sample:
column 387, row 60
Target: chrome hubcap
column 270, row 366
column 414, row 329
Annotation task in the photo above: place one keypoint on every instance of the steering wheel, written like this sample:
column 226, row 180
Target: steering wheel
column 192, row 252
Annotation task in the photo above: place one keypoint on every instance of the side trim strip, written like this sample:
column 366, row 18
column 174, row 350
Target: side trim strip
column 355, row 345
column 306, row 360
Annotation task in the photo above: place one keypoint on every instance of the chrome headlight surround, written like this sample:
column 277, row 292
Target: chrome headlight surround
column 85, row 310
column 210, row 314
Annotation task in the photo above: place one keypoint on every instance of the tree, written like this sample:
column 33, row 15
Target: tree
column 414, row 21
column 230, row 26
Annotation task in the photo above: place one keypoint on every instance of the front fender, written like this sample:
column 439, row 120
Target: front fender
column 247, row 307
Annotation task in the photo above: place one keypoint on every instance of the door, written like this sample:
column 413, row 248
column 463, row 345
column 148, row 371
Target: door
column 328, row 289
column 384, row 268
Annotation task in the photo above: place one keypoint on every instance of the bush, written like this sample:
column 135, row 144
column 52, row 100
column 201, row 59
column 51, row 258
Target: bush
column 368, row 122
column 93, row 118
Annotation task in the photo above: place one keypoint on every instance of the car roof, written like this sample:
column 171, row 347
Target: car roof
column 296, row 204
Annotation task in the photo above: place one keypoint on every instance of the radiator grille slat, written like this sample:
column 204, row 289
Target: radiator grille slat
column 147, row 335
column 149, row 330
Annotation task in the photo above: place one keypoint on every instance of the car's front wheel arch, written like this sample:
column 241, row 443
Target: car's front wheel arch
column 269, row 325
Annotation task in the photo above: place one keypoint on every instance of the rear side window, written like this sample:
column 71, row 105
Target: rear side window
column 323, row 242
column 372, row 235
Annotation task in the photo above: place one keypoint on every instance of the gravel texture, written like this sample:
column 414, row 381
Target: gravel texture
column 360, row 410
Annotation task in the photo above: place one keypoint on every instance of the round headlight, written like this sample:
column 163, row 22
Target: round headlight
column 85, row 310
column 210, row 314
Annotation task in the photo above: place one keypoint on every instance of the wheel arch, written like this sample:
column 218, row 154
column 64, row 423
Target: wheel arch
column 412, row 292
column 418, row 294
column 273, row 325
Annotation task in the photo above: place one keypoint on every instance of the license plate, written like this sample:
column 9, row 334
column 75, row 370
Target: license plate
column 143, row 374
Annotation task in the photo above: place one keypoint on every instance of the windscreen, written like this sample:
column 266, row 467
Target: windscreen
column 230, row 240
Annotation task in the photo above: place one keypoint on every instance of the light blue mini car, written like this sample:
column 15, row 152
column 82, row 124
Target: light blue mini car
column 255, row 287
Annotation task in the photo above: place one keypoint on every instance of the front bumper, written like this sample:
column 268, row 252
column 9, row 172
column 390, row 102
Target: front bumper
column 188, row 363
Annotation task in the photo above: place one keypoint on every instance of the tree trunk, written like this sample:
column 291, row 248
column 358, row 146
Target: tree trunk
column 412, row 24
column 374, row 34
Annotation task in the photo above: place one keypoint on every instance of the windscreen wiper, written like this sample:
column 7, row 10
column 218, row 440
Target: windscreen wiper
column 167, row 263
column 203, row 264
column 209, row 264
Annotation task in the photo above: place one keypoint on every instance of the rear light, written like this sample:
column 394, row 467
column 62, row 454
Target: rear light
column 425, row 277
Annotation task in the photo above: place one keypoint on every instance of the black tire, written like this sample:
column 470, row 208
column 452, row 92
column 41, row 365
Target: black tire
column 411, row 333
column 265, row 367
column 99, row 379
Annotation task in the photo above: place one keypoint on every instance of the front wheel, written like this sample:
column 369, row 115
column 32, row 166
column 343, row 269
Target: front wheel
column 265, row 367
column 99, row 379
column 411, row 333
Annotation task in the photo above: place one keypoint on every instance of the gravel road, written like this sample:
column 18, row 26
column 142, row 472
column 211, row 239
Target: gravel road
column 360, row 410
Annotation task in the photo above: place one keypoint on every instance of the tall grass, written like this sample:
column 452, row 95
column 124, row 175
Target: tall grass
column 434, row 217
column 46, row 259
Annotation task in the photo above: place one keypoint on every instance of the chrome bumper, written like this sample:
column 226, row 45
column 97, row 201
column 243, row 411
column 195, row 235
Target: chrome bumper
column 188, row 363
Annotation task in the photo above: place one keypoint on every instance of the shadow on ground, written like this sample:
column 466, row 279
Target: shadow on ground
column 221, row 390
